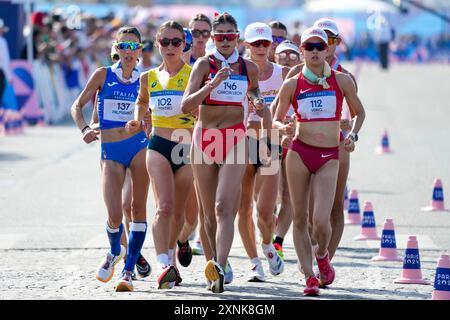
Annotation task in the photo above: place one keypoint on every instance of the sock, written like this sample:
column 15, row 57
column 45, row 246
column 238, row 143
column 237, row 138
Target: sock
column 255, row 261
column 278, row 240
column 114, row 236
column 163, row 259
column 267, row 247
column 170, row 254
column 138, row 230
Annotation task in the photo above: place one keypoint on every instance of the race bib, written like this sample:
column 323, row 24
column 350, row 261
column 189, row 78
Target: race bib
column 233, row 89
column 118, row 110
column 317, row 105
column 166, row 103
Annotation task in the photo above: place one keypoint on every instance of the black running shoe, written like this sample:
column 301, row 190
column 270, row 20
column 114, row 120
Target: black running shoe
column 143, row 267
column 184, row 253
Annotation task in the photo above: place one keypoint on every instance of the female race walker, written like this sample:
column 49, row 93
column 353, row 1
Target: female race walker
column 260, row 184
column 219, row 83
column 117, row 88
column 317, row 95
column 162, row 90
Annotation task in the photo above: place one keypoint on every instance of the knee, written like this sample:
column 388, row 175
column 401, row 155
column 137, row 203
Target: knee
column 321, row 224
column 265, row 217
column 223, row 209
column 300, row 222
column 165, row 209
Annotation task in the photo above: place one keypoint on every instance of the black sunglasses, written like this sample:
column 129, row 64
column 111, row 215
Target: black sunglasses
column 196, row 33
column 165, row 42
column 310, row 46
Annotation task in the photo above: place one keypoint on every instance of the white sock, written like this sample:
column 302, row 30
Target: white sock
column 163, row 259
column 267, row 247
column 255, row 261
column 171, row 252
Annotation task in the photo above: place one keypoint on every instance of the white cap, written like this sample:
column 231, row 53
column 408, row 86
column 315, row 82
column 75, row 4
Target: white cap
column 258, row 31
column 314, row 32
column 327, row 24
column 287, row 45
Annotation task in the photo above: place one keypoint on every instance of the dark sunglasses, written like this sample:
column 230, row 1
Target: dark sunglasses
column 258, row 43
column 129, row 45
column 225, row 36
column 196, row 33
column 310, row 46
column 278, row 39
column 165, row 42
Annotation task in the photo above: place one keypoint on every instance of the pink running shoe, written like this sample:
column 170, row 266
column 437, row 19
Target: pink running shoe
column 312, row 287
column 326, row 270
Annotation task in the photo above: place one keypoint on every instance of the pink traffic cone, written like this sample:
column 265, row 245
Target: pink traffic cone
column 354, row 216
column 411, row 273
column 442, row 279
column 368, row 227
column 346, row 199
column 384, row 148
column 437, row 201
column 388, row 247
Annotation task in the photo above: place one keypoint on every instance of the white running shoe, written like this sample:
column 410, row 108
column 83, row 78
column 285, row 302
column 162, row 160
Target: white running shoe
column 106, row 270
column 276, row 264
column 228, row 277
column 256, row 273
column 126, row 282
column 197, row 248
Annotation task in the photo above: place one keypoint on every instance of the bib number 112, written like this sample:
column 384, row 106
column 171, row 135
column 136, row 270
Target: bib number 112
column 316, row 103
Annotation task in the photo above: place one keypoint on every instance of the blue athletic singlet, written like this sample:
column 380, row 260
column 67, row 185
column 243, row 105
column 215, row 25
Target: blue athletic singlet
column 115, row 101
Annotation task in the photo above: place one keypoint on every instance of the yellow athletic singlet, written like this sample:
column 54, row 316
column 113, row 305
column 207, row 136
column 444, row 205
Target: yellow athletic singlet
column 165, row 103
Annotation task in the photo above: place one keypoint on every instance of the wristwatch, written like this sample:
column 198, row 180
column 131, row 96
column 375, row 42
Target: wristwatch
column 354, row 136
column 258, row 100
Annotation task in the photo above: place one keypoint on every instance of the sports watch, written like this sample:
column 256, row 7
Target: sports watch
column 354, row 136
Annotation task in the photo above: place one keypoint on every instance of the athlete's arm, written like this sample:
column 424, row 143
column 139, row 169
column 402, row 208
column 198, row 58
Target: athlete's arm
column 141, row 105
column 94, row 84
column 94, row 118
column 348, row 88
column 285, row 96
column 295, row 70
column 194, row 94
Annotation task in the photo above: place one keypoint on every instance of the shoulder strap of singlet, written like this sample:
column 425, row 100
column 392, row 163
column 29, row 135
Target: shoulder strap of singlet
column 242, row 67
column 212, row 63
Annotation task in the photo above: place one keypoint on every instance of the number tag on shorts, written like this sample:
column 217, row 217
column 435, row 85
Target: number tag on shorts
column 317, row 105
column 166, row 103
column 118, row 110
column 233, row 89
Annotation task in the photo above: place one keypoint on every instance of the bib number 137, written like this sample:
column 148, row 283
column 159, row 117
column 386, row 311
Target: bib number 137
column 123, row 106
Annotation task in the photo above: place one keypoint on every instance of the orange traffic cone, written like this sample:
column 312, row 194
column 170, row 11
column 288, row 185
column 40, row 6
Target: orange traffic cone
column 442, row 279
column 411, row 273
column 437, row 201
column 388, row 247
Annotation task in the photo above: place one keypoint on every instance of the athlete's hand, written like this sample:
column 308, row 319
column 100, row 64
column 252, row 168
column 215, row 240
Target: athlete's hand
column 221, row 76
column 90, row 135
column 286, row 141
column 349, row 144
column 346, row 125
column 288, row 129
column 133, row 126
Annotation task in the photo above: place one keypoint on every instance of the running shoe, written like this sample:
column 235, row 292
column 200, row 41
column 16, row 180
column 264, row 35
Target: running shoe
column 276, row 264
column 125, row 283
column 179, row 279
column 256, row 273
column 279, row 249
column 197, row 248
column 326, row 271
column 143, row 267
column 215, row 274
column 167, row 277
column 106, row 270
column 184, row 253
column 208, row 285
column 312, row 287
column 228, row 278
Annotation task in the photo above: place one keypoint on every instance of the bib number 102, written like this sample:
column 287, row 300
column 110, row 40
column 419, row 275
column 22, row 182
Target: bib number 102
column 316, row 103
column 163, row 102
column 123, row 106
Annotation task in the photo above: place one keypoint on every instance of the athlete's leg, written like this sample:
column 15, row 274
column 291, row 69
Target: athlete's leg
column 337, row 213
column 126, row 207
column 245, row 213
column 201, row 230
column 298, row 178
column 265, row 205
column 191, row 216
